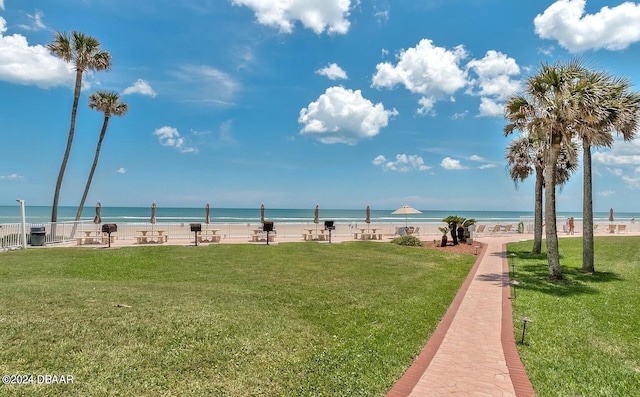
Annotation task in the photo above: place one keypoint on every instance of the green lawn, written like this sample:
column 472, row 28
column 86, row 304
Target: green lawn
column 231, row 320
column 585, row 336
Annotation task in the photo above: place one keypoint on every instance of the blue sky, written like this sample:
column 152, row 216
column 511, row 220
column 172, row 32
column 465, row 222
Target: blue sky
column 341, row 103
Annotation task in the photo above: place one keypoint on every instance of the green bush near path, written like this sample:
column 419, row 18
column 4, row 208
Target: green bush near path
column 584, row 339
column 224, row 320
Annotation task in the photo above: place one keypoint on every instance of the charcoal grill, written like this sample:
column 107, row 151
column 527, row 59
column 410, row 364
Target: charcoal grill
column 328, row 225
column 109, row 228
column 267, row 227
column 195, row 228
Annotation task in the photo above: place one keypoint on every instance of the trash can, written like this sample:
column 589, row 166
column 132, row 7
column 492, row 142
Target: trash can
column 38, row 236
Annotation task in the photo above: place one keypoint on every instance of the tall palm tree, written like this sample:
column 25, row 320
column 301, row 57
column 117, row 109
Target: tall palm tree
column 85, row 54
column 525, row 157
column 605, row 105
column 548, row 110
column 109, row 103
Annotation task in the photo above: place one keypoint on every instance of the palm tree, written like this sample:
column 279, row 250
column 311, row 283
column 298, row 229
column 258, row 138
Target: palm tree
column 525, row 157
column 548, row 110
column 108, row 103
column 85, row 53
column 605, row 105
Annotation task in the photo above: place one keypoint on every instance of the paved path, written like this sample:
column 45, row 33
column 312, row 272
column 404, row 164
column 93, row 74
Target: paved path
column 472, row 353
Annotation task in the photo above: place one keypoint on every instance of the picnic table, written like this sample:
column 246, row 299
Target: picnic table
column 151, row 236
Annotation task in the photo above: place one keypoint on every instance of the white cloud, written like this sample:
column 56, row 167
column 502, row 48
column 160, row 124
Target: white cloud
column 11, row 177
column 403, row 163
column 169, row 136
column 487, row 166
column 2, row 4
column 607, row 193
column 622, row 160
column 490, row 108
column 36, row 20
column 426, row 106
column 23, row 64
column 204, row 84
column 450, row 164
column 343, row 116
column 333, row 72
column 424, row 69
column 610, row 28
column 475, row 157
column 141, row 87
column 121, row 170
column 616, row 171
column 457, row 116
column 329, row 15
column 621, row 154
column 495, row 73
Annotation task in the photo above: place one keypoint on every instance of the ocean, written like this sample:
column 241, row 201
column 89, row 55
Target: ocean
column 42, row 214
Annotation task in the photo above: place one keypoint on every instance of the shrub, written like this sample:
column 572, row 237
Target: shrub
column 411, row 241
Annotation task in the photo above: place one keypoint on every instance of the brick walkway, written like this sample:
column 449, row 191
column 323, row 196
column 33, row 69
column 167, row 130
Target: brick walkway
column 472, row 352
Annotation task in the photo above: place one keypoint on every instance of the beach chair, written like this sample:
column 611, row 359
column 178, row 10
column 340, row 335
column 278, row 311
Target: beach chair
column 508, row 228
column 479, row 230
column 496, row 229
column 595, row 227
column 622, row 228
column 416, row 232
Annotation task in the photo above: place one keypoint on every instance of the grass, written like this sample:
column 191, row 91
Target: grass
column 584, row 339
column 225, row 320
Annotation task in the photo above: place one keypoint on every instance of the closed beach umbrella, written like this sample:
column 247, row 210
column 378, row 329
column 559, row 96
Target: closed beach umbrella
column 262, row 213
column 368, row 218
column 406, row 210
column 611, row 215
column 153, row 213
column 206, row 214
column 98, row 218
column 316, row 215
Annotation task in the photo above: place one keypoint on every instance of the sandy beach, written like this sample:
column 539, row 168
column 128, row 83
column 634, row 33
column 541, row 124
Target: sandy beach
column 181, row 234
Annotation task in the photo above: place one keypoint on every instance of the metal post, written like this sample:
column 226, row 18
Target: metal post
column 524, row 327
column 23, row 233
column 514, row 283
column 512, row 260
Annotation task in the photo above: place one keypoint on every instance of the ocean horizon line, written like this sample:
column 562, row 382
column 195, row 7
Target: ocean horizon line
column 136, row 214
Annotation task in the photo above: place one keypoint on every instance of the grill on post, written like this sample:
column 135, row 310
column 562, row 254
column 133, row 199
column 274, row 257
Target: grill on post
column 328, row 225
column 109, row 228
column 267, row 227
column 195, row 228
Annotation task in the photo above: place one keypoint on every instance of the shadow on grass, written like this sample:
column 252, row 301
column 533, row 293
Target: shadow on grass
column 534, row 275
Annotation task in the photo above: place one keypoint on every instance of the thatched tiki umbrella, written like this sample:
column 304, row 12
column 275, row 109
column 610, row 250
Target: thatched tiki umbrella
column 368, row 218
column 98, row 219
column 316, row 217
column 262, row 214
column 207, row 220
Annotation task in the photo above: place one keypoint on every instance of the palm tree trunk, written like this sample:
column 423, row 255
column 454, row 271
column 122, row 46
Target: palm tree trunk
column 65, row 159
column 105, row 123
column 537, row 215
column 587, row 211
column 553, row 252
